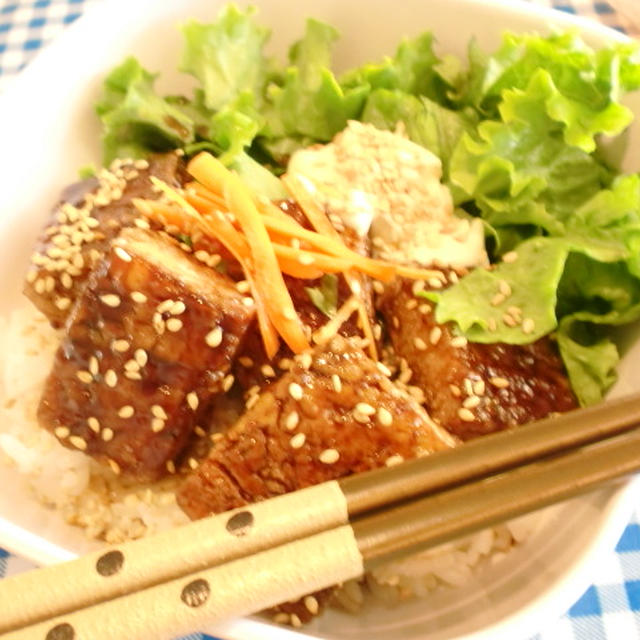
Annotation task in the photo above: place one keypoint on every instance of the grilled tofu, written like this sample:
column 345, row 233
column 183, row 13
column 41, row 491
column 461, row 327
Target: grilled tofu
column 470, row 388
column 83, row 225
column 148, row 344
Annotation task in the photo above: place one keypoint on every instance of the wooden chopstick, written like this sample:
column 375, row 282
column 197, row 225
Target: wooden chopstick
column 341, row 551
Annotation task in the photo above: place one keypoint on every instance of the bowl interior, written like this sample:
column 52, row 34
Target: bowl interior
column 55, row 96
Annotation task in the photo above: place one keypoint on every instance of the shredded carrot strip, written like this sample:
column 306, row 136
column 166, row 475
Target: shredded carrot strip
column 326, row 264
column 294, row 269
column 214, row 175
column 300, row 190
column 195, row 188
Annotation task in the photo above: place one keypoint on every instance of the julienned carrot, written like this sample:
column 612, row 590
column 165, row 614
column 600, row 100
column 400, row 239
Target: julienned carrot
column 294, row 269
column 199, row 190
column 301, row 190
column 321, row 261
column 214, row 175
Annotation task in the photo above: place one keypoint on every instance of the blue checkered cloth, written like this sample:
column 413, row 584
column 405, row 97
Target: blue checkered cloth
column 610, row 608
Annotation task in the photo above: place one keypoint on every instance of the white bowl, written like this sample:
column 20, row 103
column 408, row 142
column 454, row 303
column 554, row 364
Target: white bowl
column 48, row 130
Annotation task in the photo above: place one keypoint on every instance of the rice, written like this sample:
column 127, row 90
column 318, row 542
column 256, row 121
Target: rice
column 90, row 496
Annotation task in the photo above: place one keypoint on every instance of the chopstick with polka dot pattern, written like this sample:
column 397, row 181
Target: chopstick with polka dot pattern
column 255, row 557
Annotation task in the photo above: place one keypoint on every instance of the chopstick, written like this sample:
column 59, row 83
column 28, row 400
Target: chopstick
column 304, row 551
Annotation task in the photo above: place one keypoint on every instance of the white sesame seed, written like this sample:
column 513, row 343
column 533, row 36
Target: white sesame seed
column 165, row 305
column 66, row 280
column 411, row 304
column 39, row 286
column 492, row 324
column 311, row 605
column 296, row 623
column 510, row 256
column 297, row 441
column 193, row 463
column 378, row 287
column 158, row 412
column 365, row 409
column 419, row 344
column 171, row 466
column 435, row 283
column 383, row 369
column 455, row 390
column 504, row 288
column 499, row 382
column 528, row 325
column 62, row 432
column 247, row 301
column 291, row 421
column 267, row 371
column 435, row 335
column 158, row 323
column 122, row 254
column 361, row 417
column 192, row 400
column 126, row 411
column 93, row 424
column 227, row 383
column 459, row 341
column 466, row 415
column 417, row 287
column 295, row 391
column 131, row 365
column 178, row 308
column 174, row 324
column 516, row 312
column 84, row 376
column 115, row 467
column 214, row 338
column 424, row 309
column 132, row 375
column 479, row 387
column 94, row 366
column 497, row 299
column 63, row 303
column 329, row 456
column 471, row 402
column 78, row 442
column 107, row 434
column 394, row 460
column 138, row 296
column 509, row 320
column 200, row 432
column 110, row 299
column 243, row 286
column 384, row 417
column 251, row 402
column 120, row 345
column 336, row 382
column 306, row 361
column 157, row 425
column 246, row 362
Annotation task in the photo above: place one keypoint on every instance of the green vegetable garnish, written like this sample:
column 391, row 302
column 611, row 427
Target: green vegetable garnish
column 325, row 297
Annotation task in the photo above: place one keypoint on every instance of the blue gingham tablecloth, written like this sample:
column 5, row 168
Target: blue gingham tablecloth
column 610, row 608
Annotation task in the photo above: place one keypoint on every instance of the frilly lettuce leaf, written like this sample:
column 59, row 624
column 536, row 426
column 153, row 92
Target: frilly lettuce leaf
column 135, row 119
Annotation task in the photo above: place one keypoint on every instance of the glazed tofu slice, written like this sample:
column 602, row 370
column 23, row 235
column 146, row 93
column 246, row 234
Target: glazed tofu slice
column 82, row 226
column 471, row 388
column 148, row 344
column 333, row 414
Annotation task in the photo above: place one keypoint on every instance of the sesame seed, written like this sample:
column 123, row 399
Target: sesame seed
column 394, row 460
column 417, row 287
column 384, row 417
column 192, row 400
column 435, row 335
column 411, row 304
column 306, row 361
column 298, row 440
column 311, row 605
column 49, row 284
column 295, row 621
column 141, row 357
column 138, row 296
column 492, row 324
column 243, row 286
column 329, row 456
column 178, row 308
column 122, row 254
column 471, row 402
column 126, row 411
column 84, row 376
column 246, row 362
column 267, row 371
column 94, row 366
column 295, row 391
column 510, row 256
column 63, row 303
column 435, row 283
column 111, row 300
column 479, row 387
column 468, row 386
column 120, row 345
column 115, row 467
column 336, row 382
column 202, row 255
column 158, row 323
column 365, row 409
column 497, row 299
column 171, row 466
column 396, row 322
column 289, row 314
column 93, row 424
column 157, row 425
column 378, row 287
column 528, row 325
column 247, row 301
column 62, row 432
column 158, row 412
column 361, row 417
column 174, row 324
column 214, row 338
column 251, row 402
column 516, row 312
column 504, row 288
column 383, row 369
column 193, row 463
column 424, row 309
column 227, row 382
column 466, row 415
column 200, row 432
column 499, row 382
column 291, row 421
column 107, row 434
column 455, row 390
column 419, row 344
column 78, row 442
column 131, row 365
column 284, row 363
column 165, row 305
column 39, row 287
column 509, row 320
column 459, row 341
column 141, row 223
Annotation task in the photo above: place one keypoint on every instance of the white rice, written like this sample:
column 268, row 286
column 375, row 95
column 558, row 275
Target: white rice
column 93, row 498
